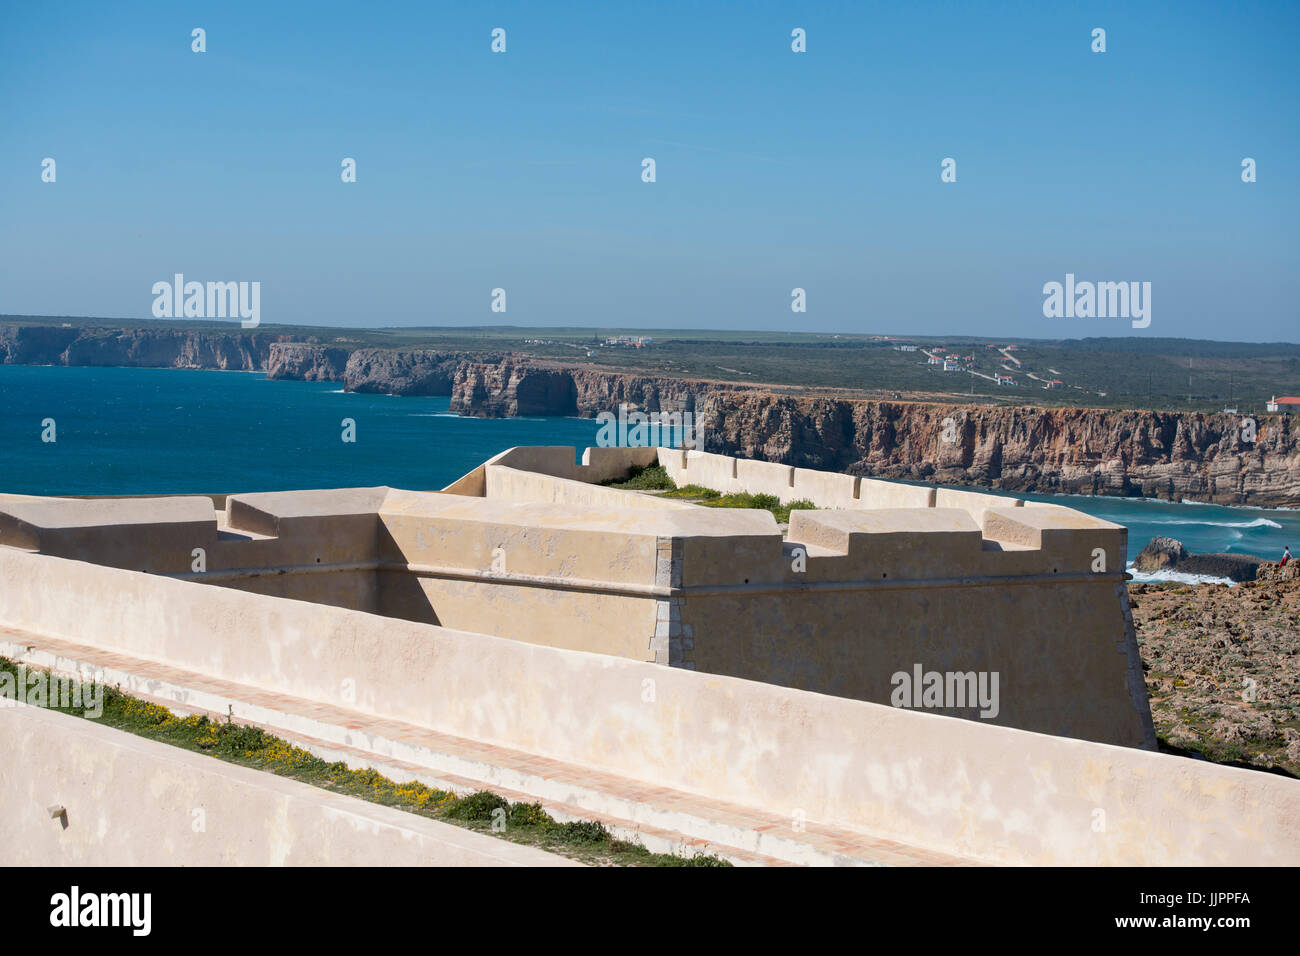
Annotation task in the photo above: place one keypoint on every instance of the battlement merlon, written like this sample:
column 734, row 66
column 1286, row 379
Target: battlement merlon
column 527, row 508
column 533, row 548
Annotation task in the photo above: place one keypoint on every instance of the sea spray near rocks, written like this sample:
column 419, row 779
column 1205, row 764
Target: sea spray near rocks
column 1169, row 555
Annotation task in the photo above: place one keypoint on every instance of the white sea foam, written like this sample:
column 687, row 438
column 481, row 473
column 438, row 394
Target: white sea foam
column 1179, row 577
column 1257, row 523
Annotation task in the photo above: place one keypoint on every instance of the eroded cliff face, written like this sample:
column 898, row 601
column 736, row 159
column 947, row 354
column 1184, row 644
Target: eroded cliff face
column 507, row 389
column 300, row 362
column 1085, row 451
column 516, row 386
column 377, row 371
column 1051, row 450
column 406, row 371
column 139, row 348
column 384, row 371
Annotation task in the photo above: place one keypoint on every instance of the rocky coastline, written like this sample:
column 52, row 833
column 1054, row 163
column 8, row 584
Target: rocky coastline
column 1222, row 667
column 1168, row 455
column 1152, row 454
column 245, row 351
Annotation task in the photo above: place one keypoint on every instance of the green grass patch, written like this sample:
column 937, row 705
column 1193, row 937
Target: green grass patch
column 694, row 493
column 484, row 811
column 1232, row 753
column 655, row 478
column 644, row 478
column 710, row 498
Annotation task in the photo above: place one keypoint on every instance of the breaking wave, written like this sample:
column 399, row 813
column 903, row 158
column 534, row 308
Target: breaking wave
column 1179, row 577
column 1257, row 523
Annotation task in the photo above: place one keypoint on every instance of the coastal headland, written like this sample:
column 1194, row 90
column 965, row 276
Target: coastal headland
column 914, row 435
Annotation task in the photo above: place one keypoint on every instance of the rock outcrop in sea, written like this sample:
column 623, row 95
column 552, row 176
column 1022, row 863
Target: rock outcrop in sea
column 1168, row 554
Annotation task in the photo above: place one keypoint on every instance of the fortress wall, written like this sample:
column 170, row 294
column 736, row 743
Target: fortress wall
column 601, row 623
column 320, row 557
column 514, row 485
column 357, row 590
column 1049, row 620
column 598, row 464
column 956, row 786
column 973, row 501
column 146, row 534
column 765, row 478
column 825, row 489
column 471, row 484
column 882, row 546
column 673, row 461
column 606, row 464
column 876, row 494
column 499, row 573
column 506, row 538
column 708, row 471
column 1057, row 648
column 942, row 544
column 135, row 802
column 557, row 460
column 1059, row 539
column 327, row 558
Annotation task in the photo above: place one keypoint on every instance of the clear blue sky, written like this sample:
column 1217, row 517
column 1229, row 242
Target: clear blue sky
column 775, row 169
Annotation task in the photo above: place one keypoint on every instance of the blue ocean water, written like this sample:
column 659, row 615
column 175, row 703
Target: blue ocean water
column 1202, row 528
column 153, row 431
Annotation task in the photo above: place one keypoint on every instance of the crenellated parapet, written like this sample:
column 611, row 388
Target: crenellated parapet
column 878, row 578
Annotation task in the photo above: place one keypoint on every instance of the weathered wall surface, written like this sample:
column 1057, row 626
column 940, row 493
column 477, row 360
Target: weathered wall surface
column 978, row 584
column 1046, row 643
column 560, row 576
column 134, row 802
column 323, row 549
column 956, row 786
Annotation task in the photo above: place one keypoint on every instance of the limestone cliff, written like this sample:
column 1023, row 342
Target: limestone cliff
column 1052, row 450
column 385, row 371
column 488, row 390
column 517, row 386
column 139, row 348
column 407, row 371
column 306, row 363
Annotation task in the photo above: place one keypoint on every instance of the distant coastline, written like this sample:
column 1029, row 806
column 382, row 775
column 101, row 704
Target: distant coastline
column 1167, row 456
